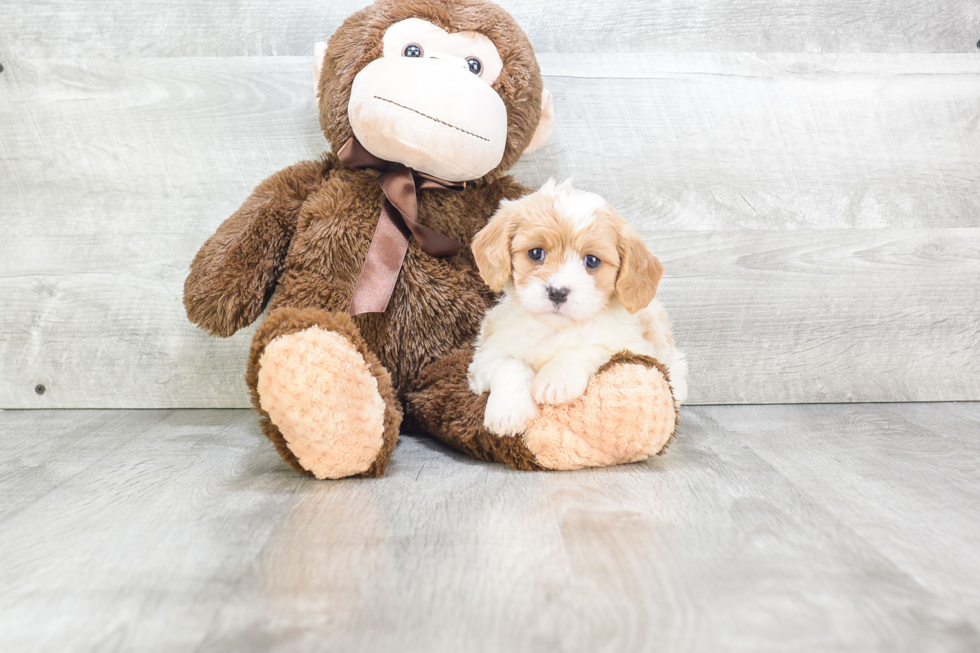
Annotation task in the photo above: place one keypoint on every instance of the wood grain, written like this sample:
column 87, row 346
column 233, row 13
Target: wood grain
column 786, row 142
column 817, row 214
column 903, row 460
column 173, row 28
column 36, row 462
column 766, row 317
column 189, row 533
column 164, row 498
column 753, row 141
column 807, row 141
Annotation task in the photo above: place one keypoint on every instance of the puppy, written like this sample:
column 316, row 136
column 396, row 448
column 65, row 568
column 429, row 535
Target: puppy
column 578, row 283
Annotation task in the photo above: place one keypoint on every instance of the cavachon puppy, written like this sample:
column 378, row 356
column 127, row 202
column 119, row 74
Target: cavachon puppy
column 578, row 286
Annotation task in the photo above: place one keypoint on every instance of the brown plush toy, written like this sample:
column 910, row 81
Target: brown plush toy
column 363, row 257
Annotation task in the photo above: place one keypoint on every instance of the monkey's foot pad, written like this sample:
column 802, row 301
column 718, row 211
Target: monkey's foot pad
column 319, row 392
column 626, row 414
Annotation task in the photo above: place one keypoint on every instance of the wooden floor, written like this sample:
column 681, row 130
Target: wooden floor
column 777, row 528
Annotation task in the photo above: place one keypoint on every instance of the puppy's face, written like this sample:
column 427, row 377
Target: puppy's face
column 567, row 253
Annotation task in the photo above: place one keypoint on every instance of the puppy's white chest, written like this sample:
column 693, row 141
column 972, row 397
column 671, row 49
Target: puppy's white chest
column 608, row 333
column 540, row 353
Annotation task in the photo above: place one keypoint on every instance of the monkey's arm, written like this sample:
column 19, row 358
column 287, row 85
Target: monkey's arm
column 236, row 270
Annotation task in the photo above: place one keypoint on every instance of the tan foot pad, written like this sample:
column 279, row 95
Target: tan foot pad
column 627, row 414
column 319, row 392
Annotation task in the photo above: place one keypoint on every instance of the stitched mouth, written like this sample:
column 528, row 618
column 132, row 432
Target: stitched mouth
column 425, row 115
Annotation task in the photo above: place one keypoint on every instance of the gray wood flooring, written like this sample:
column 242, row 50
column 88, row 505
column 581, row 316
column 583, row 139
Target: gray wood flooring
column 776, row 528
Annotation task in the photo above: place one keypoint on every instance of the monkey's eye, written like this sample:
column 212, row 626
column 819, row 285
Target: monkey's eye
column 476, row 66
column 536, row 254
column 412, row 50
column 592, row 262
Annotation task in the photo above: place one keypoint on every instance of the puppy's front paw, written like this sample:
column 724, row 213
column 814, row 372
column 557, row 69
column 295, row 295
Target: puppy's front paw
column 478, row 382
column 508, row 414
column 558, row 385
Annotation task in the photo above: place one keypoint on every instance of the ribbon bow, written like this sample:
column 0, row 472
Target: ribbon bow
column 397, row 223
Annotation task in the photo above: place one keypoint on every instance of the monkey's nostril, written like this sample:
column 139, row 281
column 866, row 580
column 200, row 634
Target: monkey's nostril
column 558, row 295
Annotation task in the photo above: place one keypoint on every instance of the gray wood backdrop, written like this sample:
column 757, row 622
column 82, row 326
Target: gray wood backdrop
column 808, row 172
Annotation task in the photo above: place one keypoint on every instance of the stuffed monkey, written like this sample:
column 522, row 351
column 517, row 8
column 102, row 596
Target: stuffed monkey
column 374, row 298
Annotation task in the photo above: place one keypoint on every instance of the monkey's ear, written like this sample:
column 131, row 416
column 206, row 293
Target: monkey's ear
column 319, row 52
column 545, row 125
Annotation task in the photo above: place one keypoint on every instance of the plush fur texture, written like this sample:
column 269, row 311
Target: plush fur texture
column 236, row 271
column 296, row 246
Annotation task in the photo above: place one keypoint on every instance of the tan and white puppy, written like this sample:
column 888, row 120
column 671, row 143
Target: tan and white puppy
column 578, row 286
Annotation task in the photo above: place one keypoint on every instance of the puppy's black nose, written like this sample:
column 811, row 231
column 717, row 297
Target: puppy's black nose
column 557, row 295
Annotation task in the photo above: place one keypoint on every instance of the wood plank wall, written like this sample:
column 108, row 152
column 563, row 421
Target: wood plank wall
column 808, row 172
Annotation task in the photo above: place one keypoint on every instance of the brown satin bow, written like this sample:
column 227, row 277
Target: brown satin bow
column 397, row 223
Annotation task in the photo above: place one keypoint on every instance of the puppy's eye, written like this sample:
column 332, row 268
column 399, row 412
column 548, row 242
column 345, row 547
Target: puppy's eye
column 412, row 50
column 592, row 262
column 536, row 254
column 476, row 66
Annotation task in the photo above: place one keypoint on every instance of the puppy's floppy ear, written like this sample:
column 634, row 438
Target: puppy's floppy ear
column 639, row 271
column 491, row 247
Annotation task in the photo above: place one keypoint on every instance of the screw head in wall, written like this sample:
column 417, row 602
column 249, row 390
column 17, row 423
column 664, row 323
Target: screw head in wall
column 40, row 389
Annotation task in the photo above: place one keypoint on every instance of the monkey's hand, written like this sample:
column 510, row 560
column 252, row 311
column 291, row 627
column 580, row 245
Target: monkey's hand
column 235, row 272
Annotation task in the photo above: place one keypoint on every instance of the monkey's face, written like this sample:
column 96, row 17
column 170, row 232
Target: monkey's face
column 428, row 102
column 451, row 89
